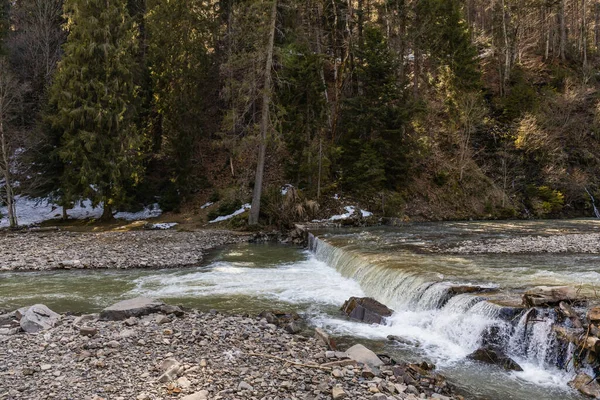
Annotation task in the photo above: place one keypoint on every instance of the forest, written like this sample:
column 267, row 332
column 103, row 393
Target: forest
column 432, row 109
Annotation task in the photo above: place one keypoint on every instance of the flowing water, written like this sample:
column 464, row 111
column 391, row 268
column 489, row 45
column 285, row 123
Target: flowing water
column 394, row 265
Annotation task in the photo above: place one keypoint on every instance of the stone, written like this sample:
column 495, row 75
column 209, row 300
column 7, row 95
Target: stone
column 184, row 383
column 325, row 339
column 38, row 318
column 201, row 395
column 466, row 289
column 45, row 367
column 593, row 314
column 361, row 354
column 586, row 385
column 169, row 309
column 337, row 393
column 243, row 385
column 88, row 331
column 293, row 328
column 495, row 356
column 367, row 373
column 548, row 295
column 366, row 309
column 136, row 307
column 131, row 321
column 162, row 319
column 9, row 331
column 20, row 312
column 170, row 374
column 82, row 319
column 127, row 333
column 167, row 364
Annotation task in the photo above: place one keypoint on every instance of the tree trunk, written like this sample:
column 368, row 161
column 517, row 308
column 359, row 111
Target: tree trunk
column 10, row 197
column 562, row 30
column 507, row 50
column 584, row 35
column 265, row 122
column 597, row 26
column 107, row 214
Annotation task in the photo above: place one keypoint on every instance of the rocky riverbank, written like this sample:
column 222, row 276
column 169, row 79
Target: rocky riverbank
column 193, row 356
column 134, row 249
column 572, row 243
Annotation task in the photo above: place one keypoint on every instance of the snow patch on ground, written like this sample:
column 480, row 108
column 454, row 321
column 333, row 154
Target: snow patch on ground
column 149, row 212
column 164, row 225
column 35, row 211
column 285, row 188
column 350, row 210
column 207, row 205
column 226, row 217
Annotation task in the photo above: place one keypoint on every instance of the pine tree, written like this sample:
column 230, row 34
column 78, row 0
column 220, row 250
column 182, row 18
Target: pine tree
column 94, row 96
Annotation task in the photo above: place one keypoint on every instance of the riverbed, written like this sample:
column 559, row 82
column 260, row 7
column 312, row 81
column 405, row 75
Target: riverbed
column 404, row 267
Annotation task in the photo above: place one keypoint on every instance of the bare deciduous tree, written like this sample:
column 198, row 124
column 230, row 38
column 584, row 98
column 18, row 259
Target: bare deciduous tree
column 10, row 97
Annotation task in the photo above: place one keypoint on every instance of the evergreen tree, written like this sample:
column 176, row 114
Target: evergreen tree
column 373, row 120
column 179, row 35
column 94, row 97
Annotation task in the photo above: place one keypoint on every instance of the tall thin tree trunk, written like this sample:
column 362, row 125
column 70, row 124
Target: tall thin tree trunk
column 507, row 50
column 10, row 197
column 562, row 30
column 265, row 122
column 597, row 25
column 584, row 34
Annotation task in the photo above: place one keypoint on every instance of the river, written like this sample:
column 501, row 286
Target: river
column 396, row 265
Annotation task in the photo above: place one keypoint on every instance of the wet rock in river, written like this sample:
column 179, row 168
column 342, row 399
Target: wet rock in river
column 586, row 385
column 136, row 307
column 593, row 314
column 466, row 289
column 548, row 295
column 38, row 318
column 366, row 309
column 495, row 356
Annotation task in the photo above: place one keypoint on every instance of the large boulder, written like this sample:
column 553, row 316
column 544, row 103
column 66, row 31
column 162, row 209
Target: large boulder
column 549, row 295
column 361, row 354
column 495, row 356
column 38, row 318
column 366, row 309
column 586, row 385
column 131, row 308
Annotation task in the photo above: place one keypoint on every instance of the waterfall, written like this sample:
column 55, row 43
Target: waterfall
column 596, row 212
column 430, row 308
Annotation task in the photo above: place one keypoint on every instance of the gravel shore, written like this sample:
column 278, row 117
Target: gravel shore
column 193, row 357
column 588, row 243
column 134, row 249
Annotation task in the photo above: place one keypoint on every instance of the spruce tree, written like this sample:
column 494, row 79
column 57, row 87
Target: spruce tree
column 94, row 98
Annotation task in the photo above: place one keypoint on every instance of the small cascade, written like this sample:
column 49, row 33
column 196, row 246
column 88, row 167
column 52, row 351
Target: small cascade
column 381, row 282
column 533, row 338
column 596, row 212
column 430, row 309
